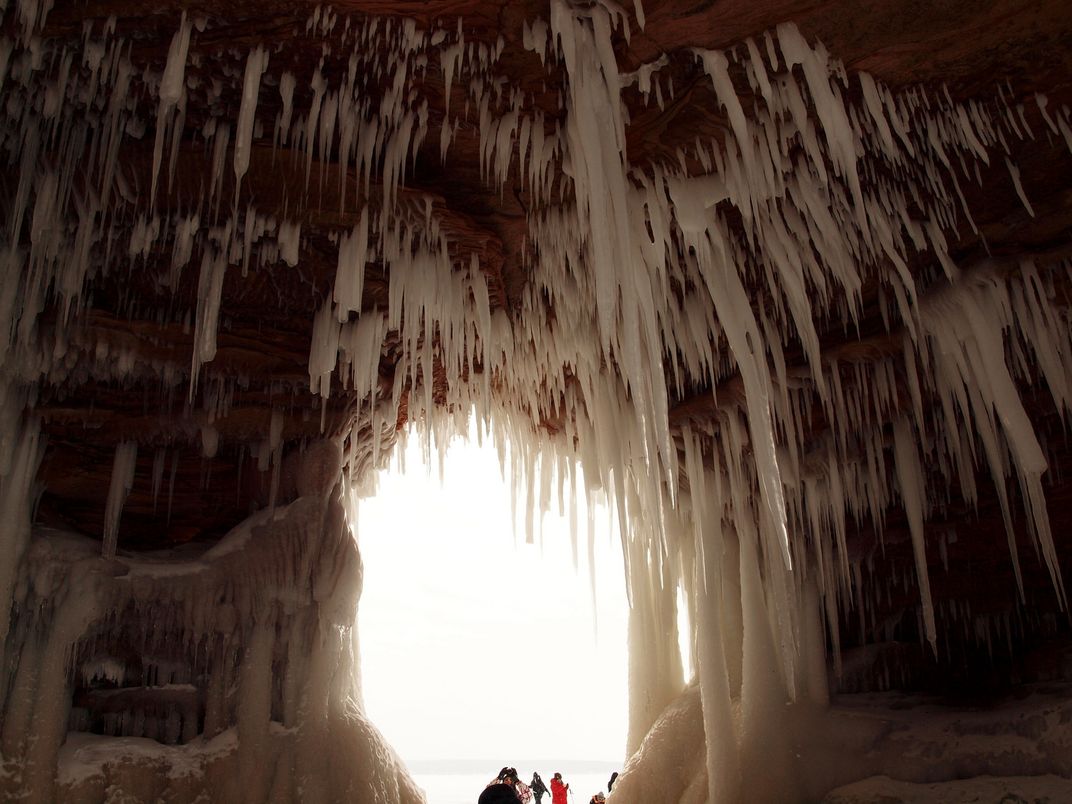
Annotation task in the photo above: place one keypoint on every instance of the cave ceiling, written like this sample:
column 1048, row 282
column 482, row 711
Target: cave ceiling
column 135, row 307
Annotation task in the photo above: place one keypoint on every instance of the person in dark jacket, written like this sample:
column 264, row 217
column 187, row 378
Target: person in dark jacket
column 508, row 778
column 505, row 781
column 498, row 794
column 539, row 789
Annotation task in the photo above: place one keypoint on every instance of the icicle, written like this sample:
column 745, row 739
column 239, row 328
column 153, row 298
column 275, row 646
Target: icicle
column 1014, row 173
column 638, row 9
column 256, row 64
column 289, row 239
column 287, row 83
column 123, row 466
column 209, row 292
column 350, row 274
column 910, row 479
column 323, row 350
column 171, row 91
column 210, row 441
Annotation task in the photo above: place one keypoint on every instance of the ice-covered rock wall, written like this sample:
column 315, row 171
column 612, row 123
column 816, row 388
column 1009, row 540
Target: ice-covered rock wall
column 760, row 344
column 224, row 673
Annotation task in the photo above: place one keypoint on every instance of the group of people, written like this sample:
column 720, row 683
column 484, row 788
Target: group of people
column 507, row 788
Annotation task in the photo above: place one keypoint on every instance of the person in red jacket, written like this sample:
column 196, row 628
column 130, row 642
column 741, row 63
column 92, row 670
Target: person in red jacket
column 558, row 790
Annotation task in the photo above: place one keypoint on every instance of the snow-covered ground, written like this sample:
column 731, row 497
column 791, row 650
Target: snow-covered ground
column 918, row 739
column 894, row 747
column 1008, row 789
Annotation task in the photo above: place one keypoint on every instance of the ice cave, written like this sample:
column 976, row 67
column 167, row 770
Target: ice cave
column 786, row 282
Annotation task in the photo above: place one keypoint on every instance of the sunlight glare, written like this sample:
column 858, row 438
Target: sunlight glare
column 475, row 645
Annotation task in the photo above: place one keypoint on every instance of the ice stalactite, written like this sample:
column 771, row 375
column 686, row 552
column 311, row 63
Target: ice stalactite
column 209, row 291
column 256, row 64
column 123, row 467
column 171, row 91
column 913, row 494
column 978, row 385
column 626, row 315
column 350, row 277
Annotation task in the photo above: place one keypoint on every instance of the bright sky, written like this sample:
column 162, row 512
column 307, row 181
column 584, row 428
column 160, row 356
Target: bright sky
column 474, row 644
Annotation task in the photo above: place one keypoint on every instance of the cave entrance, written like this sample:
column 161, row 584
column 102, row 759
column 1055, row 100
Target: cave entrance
column 479, row 649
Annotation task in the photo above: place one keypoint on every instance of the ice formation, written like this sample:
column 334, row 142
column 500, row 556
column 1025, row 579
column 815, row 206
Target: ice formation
column 641, row 279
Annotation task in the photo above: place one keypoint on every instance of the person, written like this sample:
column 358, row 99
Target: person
column 524, row 793
column 539, row 789
column 559, row 789
column 498, row 794
column 503, row 782
column 508, row 778
column 598, row 798
column 610, row 784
